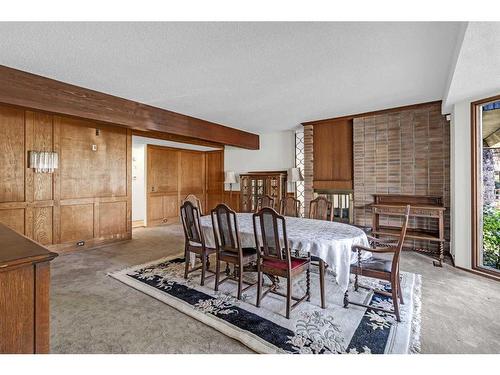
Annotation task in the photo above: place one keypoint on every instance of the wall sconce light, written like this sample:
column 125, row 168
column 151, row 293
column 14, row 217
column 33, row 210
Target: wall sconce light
column 43, row 161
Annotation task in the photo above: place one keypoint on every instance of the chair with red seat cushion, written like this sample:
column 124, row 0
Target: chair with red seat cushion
column 229, row 250
column 274, row 257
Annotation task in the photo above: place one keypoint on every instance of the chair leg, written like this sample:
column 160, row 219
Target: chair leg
column 208, row 262
column 288, row 296
column 203, row 268
column 217, row 271
column 186, row 265
column 400, row 291
column 346, row 298
column 356, row 281
column 322, row 282
column 395, row 301
column 308, row 284
column 259, row 287
column 240, row 280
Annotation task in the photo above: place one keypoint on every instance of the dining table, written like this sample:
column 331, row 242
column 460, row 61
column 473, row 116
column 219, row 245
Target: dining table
column 328, row 241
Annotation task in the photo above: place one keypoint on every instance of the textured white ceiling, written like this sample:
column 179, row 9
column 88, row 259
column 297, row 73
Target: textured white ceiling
column 477, row 69
column 258, row 77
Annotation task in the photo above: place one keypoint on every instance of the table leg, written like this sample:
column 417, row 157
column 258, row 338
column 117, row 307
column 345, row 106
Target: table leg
column 322, row 282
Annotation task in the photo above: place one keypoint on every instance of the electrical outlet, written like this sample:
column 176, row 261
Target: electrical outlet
column 94, row 147
column 80, row 243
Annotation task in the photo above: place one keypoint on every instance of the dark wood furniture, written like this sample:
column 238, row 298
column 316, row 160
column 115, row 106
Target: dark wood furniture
column 264, row 201
column 333, row 155
column 384, row 265
column 229, row 250
column 24, row 294
column 24, row 89
column 195, row 201
column 194, row 241
column 274, row 257
column 423, row 206
column 320, row 208
column 254, row 185
column 290, row 206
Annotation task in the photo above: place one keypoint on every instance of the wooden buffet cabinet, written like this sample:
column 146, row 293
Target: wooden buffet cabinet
column 256, row 184
column 425, row 206
column 24, row 294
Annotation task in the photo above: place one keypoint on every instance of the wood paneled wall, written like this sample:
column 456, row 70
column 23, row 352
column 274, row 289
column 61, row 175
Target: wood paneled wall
column 87, row 199
column 173, row 173
column 404, row 152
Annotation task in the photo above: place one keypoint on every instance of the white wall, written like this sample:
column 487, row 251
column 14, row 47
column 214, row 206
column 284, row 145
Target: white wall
column 460, row 174
column 277, row 152
column 138, row 181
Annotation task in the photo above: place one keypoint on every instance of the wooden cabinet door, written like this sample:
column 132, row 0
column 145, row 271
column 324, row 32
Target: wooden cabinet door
column 333, row 163
column 162, row 185
column 17, row 310
column 192, row 175
column 215, row 179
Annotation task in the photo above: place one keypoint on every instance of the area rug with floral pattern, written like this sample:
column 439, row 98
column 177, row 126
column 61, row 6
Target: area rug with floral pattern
column 310, row 329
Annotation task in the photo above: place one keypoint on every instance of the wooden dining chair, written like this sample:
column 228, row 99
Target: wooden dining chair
column 274, row 257
column 194, row 240
column 383, row 265
column 320, row 208
column 264, row 201
column 290, row 206
column 228, row 246
column 195, row 201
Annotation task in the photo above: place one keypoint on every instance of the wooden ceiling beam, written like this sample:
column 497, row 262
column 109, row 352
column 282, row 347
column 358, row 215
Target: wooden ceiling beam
column 33, row 91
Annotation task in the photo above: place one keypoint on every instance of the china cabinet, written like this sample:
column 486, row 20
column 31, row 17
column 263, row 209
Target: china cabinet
column 257, row 184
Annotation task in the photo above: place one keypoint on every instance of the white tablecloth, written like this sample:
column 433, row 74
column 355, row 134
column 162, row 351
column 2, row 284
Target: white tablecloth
column 329, row 241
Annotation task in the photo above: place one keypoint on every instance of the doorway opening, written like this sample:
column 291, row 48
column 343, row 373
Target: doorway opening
column 165, row 172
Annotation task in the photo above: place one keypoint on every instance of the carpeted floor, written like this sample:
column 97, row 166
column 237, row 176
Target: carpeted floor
column 92, row 313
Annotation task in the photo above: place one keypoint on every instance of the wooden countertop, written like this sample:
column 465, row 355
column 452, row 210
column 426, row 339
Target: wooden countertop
column 16, row 249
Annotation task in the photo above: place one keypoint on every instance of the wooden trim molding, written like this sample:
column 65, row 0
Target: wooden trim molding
column 374, row 113
column 28, row 90
column 138, row 223
column 476, row 190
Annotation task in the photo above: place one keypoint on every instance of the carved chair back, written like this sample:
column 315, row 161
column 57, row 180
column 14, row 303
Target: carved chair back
column 195, row 201
column 270, row 235
column 320, row 208
column 290, row 206
column 264, row 201
column 225, row 227
column 190, row 216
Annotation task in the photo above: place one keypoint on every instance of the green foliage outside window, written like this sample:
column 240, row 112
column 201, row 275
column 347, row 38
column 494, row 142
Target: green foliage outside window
column 491, row 237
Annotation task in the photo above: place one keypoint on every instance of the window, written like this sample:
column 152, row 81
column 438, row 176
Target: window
column 299, row 163
column 486, row 185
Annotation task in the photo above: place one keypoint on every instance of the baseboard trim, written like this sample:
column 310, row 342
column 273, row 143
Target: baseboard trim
column 480, row 273
column 138, row 223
